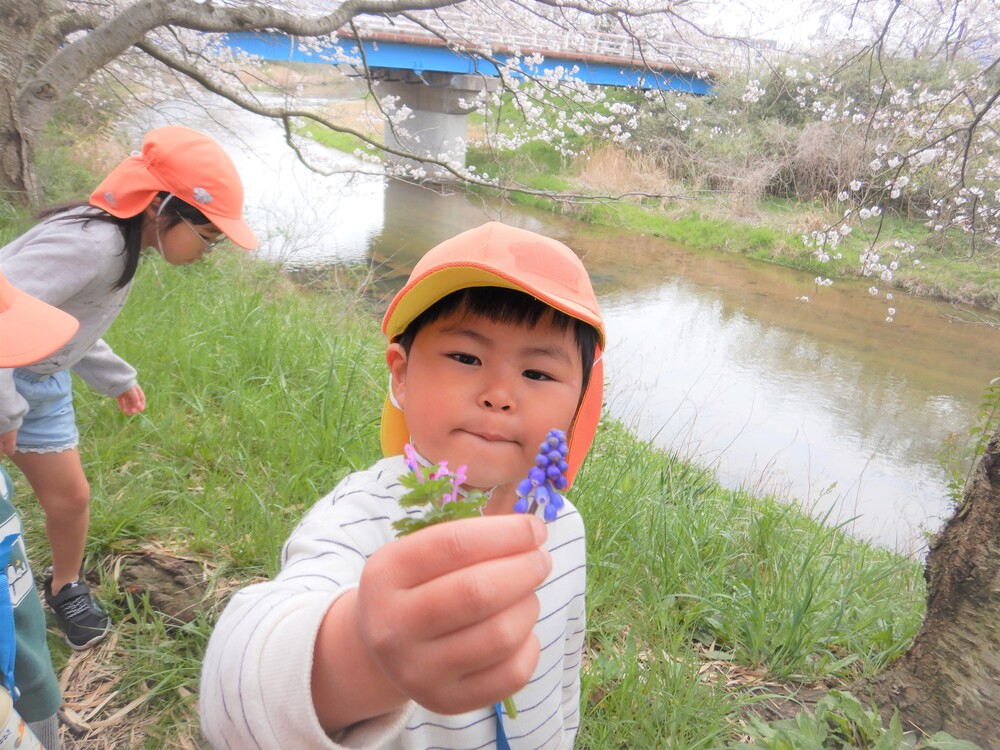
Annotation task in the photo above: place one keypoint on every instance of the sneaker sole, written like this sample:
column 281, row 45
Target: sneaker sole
column 89, row 644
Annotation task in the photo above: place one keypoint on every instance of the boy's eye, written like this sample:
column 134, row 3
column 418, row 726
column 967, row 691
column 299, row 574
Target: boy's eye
column 536, row 375
column 465, row 359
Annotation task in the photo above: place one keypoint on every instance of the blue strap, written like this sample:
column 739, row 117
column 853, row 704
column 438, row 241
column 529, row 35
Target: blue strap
column 502, row 743
column 8, row 645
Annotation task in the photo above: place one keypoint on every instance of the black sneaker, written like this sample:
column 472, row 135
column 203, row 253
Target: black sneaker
column 82, row 621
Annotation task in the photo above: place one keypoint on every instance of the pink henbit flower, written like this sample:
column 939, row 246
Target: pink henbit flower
column 412, row 461
column 436, row 488
column 457, row 479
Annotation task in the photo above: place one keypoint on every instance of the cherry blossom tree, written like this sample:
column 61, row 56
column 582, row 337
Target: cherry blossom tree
column 929, row 117
column 888, row 108
column 49, row 49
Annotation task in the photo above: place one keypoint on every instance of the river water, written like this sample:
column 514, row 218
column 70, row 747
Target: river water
column 709, row 355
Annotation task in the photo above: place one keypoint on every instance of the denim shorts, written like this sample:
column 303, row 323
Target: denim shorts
column 50, row 424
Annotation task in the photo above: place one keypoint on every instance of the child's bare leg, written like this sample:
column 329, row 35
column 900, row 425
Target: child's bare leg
column 62, row 489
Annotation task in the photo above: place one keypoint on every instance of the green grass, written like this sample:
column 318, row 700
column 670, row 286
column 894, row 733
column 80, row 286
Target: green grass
column 262, row 397
column 335, row 139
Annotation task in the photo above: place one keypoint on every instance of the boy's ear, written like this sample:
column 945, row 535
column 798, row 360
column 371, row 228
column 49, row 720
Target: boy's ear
column 395, row 358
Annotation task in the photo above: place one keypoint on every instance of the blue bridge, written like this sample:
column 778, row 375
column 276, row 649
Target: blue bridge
column 603, row 64
column 439, row 83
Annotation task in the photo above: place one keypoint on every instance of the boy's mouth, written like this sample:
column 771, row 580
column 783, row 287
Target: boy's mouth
column 490, row 437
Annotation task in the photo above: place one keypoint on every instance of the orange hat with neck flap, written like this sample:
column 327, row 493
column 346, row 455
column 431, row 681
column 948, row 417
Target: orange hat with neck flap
column 498, row 255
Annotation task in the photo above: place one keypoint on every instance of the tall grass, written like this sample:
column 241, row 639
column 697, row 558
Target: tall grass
column 259, row 400
column 684, row 572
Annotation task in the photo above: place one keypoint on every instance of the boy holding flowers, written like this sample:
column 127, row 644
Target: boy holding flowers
column 364, row 639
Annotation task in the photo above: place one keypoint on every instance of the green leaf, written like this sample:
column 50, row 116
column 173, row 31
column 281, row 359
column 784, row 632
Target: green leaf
column 468, row 507
column 944, row 741
column 426, row 491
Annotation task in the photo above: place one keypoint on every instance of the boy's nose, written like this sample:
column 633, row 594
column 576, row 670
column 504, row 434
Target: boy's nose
column 496, row 403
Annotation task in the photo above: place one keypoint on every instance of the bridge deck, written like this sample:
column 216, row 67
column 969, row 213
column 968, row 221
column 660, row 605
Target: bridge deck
column 604, row 62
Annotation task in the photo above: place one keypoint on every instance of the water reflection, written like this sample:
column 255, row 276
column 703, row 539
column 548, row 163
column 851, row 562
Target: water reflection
column 709, row 354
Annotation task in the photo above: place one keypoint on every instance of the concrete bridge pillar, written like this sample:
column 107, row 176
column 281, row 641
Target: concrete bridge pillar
column 440, row 103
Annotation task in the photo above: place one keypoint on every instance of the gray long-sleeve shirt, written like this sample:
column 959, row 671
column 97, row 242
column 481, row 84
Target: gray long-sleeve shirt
column 72, row 265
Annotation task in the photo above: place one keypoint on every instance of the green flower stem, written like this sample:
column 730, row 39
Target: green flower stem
column 509, row 707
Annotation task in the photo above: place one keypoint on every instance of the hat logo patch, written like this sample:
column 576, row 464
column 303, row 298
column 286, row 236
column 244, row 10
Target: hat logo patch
column 110, row 198
column 201, row 195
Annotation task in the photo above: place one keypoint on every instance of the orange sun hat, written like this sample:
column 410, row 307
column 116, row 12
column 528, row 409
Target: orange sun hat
column 185, row 163
column 30, row 329
column 499, row 255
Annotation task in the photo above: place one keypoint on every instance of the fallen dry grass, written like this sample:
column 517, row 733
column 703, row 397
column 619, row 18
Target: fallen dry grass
column 96, row 716
column 99, row 711
column 610, row 170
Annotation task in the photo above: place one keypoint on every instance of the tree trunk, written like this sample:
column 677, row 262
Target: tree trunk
column 949, row 679
column 18, row 21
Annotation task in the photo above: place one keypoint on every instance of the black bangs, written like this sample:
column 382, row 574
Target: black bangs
column 509, row 306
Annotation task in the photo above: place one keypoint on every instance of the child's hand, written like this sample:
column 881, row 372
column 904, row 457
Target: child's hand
column 448, row 612
column 132, row 401
column 443, row 616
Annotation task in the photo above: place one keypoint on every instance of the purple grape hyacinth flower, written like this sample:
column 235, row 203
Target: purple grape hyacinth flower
column 546, row 479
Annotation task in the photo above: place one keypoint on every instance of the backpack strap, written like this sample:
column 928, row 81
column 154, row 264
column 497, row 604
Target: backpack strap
column 502, row 743
column 8, row 643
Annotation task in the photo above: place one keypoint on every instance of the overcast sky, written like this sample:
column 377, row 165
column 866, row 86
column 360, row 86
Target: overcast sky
column 785, row 21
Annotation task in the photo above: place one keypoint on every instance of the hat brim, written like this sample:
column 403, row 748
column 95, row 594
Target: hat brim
column 30, row 329
column 395, row 434
column 236, row 230
column 440, row 281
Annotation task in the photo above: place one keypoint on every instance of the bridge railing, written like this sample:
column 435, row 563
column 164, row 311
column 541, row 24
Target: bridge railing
column 461, row 29
column 526, row 35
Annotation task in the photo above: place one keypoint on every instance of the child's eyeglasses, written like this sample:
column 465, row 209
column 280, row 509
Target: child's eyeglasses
column 209, row 244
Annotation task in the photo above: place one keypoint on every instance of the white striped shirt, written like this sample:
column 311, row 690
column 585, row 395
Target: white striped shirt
column 256, row 679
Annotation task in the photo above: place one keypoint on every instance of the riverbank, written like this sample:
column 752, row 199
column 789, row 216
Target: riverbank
column 703, row 603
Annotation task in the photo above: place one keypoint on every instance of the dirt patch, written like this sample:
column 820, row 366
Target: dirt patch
column 175, row 587
column 99, row 710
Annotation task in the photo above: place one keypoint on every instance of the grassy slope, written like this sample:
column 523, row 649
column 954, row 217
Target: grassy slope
column 262, row 397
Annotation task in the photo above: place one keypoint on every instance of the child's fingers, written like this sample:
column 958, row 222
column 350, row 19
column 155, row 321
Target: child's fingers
column 437, row 550
column 462, row 652
column 395, row 621
column 471, row 595
column 8, row 443
column 501, row 680
column 469, row 691
column 467, row 669
column 132, row 401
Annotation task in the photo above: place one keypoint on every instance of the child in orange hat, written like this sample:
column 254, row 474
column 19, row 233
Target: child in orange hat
column 29, row 330
column 364, row 639
column 181, row 195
